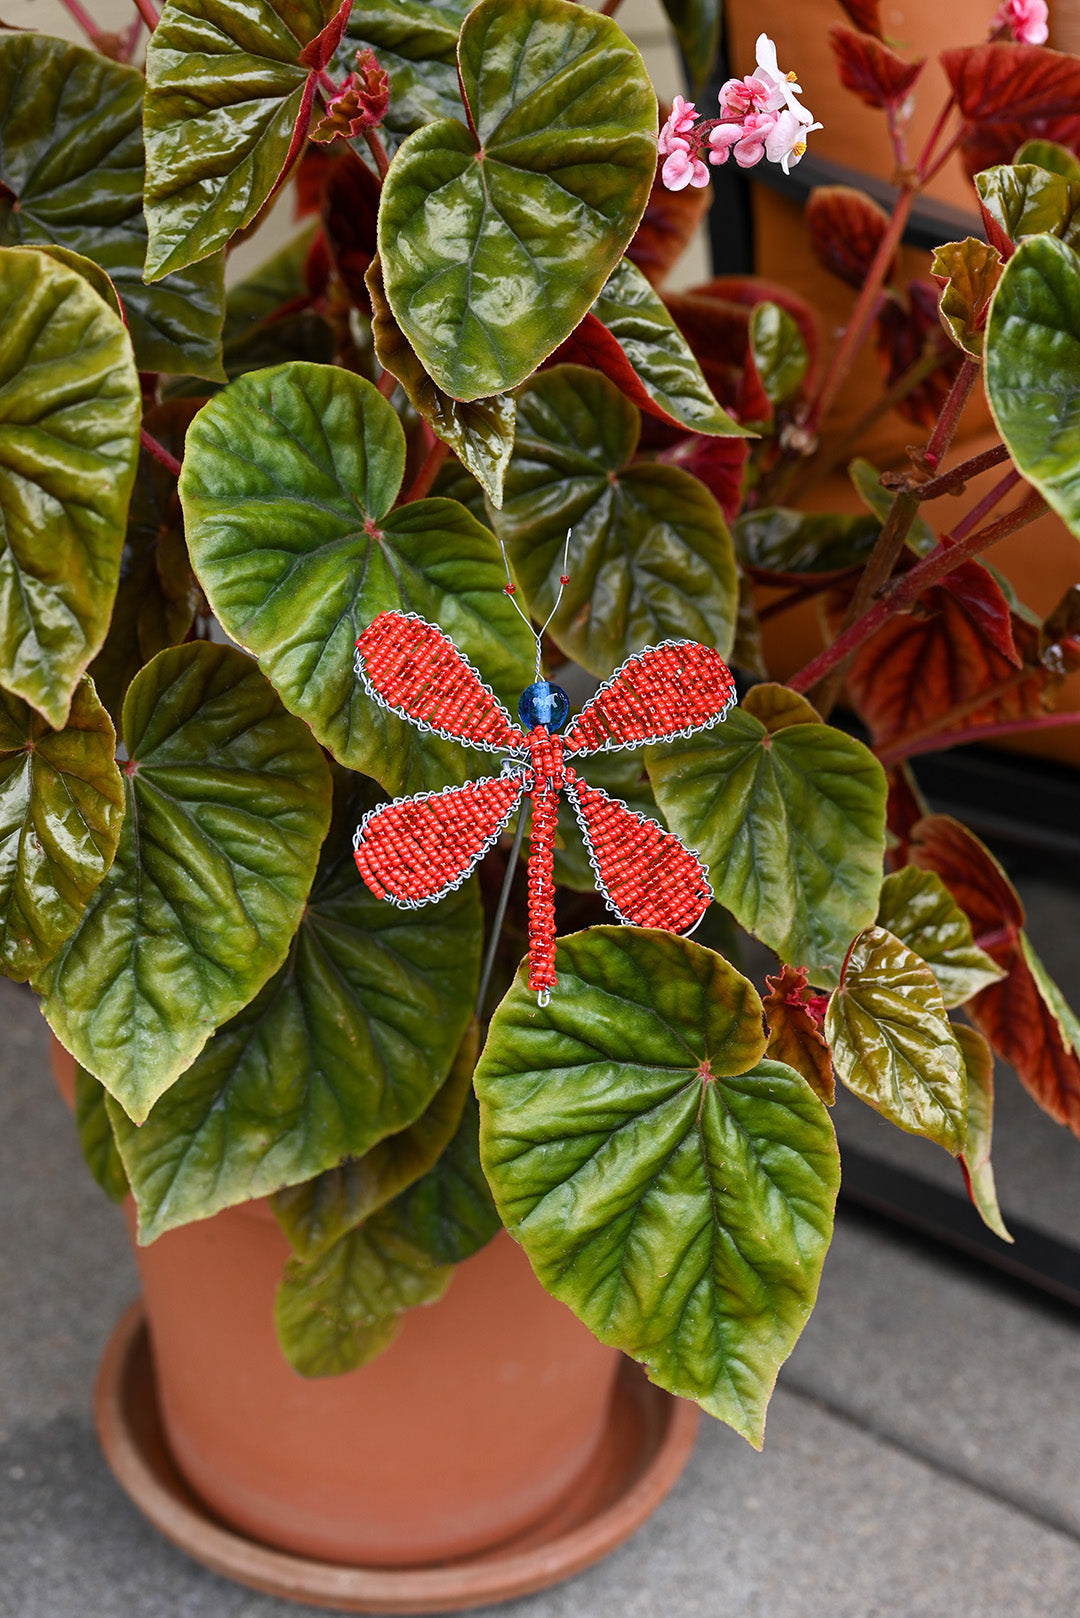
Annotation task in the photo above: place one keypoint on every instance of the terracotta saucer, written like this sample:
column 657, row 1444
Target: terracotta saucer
column 647, row 1443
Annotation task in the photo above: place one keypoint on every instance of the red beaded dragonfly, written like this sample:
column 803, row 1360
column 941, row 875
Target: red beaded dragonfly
column 415, row 850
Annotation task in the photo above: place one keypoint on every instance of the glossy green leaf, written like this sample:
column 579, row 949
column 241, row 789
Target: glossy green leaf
column 343, row 1308
column 697, row 28
column 227, row 803
column 659, row 354
column 71, row 163
column 1028, row 201
column 780, row 355
column 96, row 1140
column 667, row 1182
column 61, row 807
column 1047, row 154
column 318, row 1212
column 416, row 42
column 791, row 826
column 967, row 273
column 776, row 539
column 224, row 87
column 1063, row 1014
column 892, row 1044
column 495, row 239
column 347, row 1044
column 975, row 1160
column 1031, row 365
column 650, row 557
column 918, row 909
column 287, row 484
column 101, row 283
column 69, row 442
column 480, row 432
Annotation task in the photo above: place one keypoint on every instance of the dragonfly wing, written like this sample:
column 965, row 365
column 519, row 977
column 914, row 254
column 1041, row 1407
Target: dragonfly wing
column 412, row 668
column 665, row 691
column 647, row 875
column 415, row 850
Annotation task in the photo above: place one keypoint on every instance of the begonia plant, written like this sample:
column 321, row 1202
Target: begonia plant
column 207, row 496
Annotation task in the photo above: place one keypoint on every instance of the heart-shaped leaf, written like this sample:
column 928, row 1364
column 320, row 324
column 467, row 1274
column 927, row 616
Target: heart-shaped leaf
column 845, row 228
column 667, row 1182
column 1047, row 154
column 343, row 1308
column 795, row 1035
column 61, row 807
column 777, row 540
column 347, row 1044
column 69, row 443
column 287, row 486
column 495, row 239
column 481, row 432
column 318, row 1212
column 1016, row 82
column 878, row 75
column 967, row 273
column 893, row 1045
column 71, row 163
column 416, row 42
column 96, row 1140
column 791, row 826
column 780, row 355
column 975, row 1159
column 650, row 557
column 1031, row 363
column 918, row 909
column 1022, row 200
column 227, row 803
column 226, row 87
column 629, row 335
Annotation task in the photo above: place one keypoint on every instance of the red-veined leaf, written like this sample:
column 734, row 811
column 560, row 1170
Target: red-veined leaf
column 350, row 211
column 845, row 228
column 795, row 1035
column 865, row 14
column 873, row 72
column 1013, row 82
column 908, row 326
column 719, row 463
column 985, row 144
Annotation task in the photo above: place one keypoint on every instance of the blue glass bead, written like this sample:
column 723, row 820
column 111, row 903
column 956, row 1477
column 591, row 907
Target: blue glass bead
column 544, row 704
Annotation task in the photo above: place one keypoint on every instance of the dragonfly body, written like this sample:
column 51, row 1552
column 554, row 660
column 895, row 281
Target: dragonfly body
column 416, row 849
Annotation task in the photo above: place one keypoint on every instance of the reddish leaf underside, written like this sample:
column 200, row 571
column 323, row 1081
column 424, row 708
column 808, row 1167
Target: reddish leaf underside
column 985, row 144
column 795, row 1035
column 591, row 343
column 865, row 14
column 845, row 228
column 908, row 325
column 873, row 72
column 719, row 463
column 350, row 211
column 1013, row 82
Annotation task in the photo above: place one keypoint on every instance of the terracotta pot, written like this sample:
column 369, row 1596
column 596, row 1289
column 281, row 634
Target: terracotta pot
column 470, row 1427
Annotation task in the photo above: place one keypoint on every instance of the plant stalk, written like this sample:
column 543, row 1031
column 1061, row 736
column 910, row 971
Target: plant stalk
column 148, row 14
column 427, row 474
column 160, row 454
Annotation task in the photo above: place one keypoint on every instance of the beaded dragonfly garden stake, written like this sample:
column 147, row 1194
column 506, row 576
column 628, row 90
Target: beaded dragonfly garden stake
column 415, row 850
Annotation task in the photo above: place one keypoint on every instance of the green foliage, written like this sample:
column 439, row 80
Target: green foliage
column 96, row 1140
column 69, row 442
column 1031, row 365
column 416, row 42
column 1027, row 201
column 791, row 826
column 227, row 803
column 287, row 487
column 652, row 554
column 775, row 539
column 71, row 160
column 975, row 1160
column 668, row 1182
column 496, row 238
column 780, row 354
column 207, row 176
column 892, row 1044
column 61, row 806
column 918, row 909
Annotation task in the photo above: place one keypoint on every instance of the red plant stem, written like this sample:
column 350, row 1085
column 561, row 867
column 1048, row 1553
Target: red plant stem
column 978, row 733
column 803, row 592
column 990, row 499
column 387, row 383
column 949, row 418
column 132, row 37
column 926, row 177
column 932, row 139
column 148, row 14
column 159, row 452
column 610, row 7
column 942, row 561
column 955, row 478
column 862, row 315
column 83, row 18
column 378, row 152
column 428, row 472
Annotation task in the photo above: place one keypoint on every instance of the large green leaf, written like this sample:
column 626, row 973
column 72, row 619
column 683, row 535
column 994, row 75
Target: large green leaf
column 668, row 1182
column 224, row 89
column 651, row 556
column 659, row 355
column 893, row 1045
column 975, row 1160
column 71, row 163
column 318, row 1212
column 61, row 806
column 416, row 42
column 69, row 443
column 96, row 1140
column 287, row 484
column 697, row 28
column 776, row 539
column 1032, row 360
column 344, row 1307
column 227, row 803
column 1025, row 200
column 791, row 824
column 496, row 238
column 918, row 909
column 347, row 1044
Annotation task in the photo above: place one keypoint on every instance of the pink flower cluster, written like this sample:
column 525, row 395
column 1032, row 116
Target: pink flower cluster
column 1026, row 20
column 760, row 116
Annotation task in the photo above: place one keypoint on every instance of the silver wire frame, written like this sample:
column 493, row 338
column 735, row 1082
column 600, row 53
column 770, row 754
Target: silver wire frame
column 645, row 741
column 570, row 788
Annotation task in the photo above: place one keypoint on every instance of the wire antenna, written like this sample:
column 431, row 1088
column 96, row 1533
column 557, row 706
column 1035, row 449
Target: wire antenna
column 564, row 580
